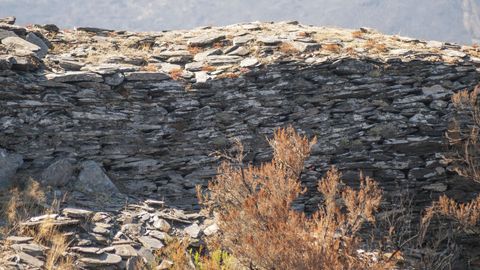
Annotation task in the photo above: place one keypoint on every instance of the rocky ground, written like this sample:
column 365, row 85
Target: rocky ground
column 111, row 227
column 109, row 239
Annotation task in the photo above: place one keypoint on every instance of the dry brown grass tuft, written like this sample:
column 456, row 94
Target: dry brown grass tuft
column 32, row 202
column 287, row 48
column 150, row 68
column 258, row 225
column 331, row 47
column 228, row 75
column 194, row 50
column 22, row 204
column 208, row 68
column 357, row 34
column 175, row 252
column 375, row 46
column 176, row 74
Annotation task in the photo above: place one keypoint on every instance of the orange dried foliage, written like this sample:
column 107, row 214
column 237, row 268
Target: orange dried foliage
column 228, row 75
column 463, row 136
column 208, row 68
column 176, row 74
column 335, row 48
column 467, row 214
column 258, row 225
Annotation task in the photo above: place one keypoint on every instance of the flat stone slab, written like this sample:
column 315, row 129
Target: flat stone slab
column 77, row 213
column 29, row 259
column 102, row 260
column 20, row 44
column 150, row 242
column 31, row 249
column 19, row 239
column 75, row 76
column 88, row 250
column 205, row 39
column 146, row 76
column 125, row 251
column 193, row 230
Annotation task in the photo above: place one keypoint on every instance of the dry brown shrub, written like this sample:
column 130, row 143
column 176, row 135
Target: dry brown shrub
column 258, row 225
column 22, row 204
column 467, row 214
column 287, row 48
column 463, row 133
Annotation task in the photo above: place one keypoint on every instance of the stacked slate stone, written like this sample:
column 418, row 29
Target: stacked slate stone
column 122, row 239
column 115, row 112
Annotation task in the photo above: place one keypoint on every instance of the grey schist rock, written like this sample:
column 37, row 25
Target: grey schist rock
column 92, row 179
column 9, row 163
column 59, row 173
column 34, row 39
column 20, row 45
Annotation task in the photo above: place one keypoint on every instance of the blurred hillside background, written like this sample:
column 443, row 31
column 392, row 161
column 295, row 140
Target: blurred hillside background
column 446, row 20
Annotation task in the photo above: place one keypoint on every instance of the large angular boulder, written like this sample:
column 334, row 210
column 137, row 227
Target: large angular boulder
column 20, row 45
column 9, row 163
column 93, row 179
column 59, row 173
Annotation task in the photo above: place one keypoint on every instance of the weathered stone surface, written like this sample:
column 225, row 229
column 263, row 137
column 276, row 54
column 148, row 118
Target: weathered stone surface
column 125, row 251
column 5, row 34
column 75, row 76
column 20, row 44
column 102, row 260
column 34, row 39
column 151, row 243
column 204, row 40
column 193, row 230
column 58, row 173
column 6, row 62
column 28, row 259
column 146, row 76
column 92, row 179
column 19, row 239
column 8, row 20
column 77, row 213
column 31, row 249
column 9, row 163
column 249, row 62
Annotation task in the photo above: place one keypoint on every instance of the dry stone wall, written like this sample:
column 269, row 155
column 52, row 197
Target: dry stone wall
column 141, row 113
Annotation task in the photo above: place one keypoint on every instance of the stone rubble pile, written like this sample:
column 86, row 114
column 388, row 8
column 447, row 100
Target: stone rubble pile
column 109, row 240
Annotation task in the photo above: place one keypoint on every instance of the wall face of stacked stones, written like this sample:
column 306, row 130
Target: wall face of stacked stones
column 154, row 135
